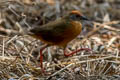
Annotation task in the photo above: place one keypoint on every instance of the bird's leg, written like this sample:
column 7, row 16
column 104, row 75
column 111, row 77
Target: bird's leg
column 81, row 49
column 41, row 57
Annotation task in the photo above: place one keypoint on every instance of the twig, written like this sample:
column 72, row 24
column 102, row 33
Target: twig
column 108, row 69
column 111, row 41
column 60, row 70
column 94, row 59
column 13, row 38
column 9, row 31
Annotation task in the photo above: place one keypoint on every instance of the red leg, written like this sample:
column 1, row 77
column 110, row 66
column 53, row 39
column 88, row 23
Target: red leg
column 41, row 57
column 69, row 54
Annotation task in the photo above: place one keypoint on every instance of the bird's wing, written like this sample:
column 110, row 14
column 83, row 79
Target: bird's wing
column 51, row 32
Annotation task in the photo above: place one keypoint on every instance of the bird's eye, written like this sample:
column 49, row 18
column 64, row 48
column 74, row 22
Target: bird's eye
column 74, row 17
column 77, row 16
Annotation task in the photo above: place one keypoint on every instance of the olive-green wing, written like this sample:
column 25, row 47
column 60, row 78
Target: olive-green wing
column 51, row 32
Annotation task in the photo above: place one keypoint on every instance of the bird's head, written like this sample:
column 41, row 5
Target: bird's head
column 76, row 16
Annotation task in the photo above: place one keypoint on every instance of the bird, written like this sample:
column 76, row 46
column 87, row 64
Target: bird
column 59, row 32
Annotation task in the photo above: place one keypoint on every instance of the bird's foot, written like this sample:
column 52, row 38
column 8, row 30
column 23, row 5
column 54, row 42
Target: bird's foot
column 81, row 49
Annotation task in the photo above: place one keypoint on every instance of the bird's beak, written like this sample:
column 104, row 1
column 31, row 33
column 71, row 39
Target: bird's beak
column 84, row 18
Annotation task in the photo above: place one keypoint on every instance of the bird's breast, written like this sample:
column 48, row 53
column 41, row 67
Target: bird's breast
column 77, row 27
column 73, row 30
